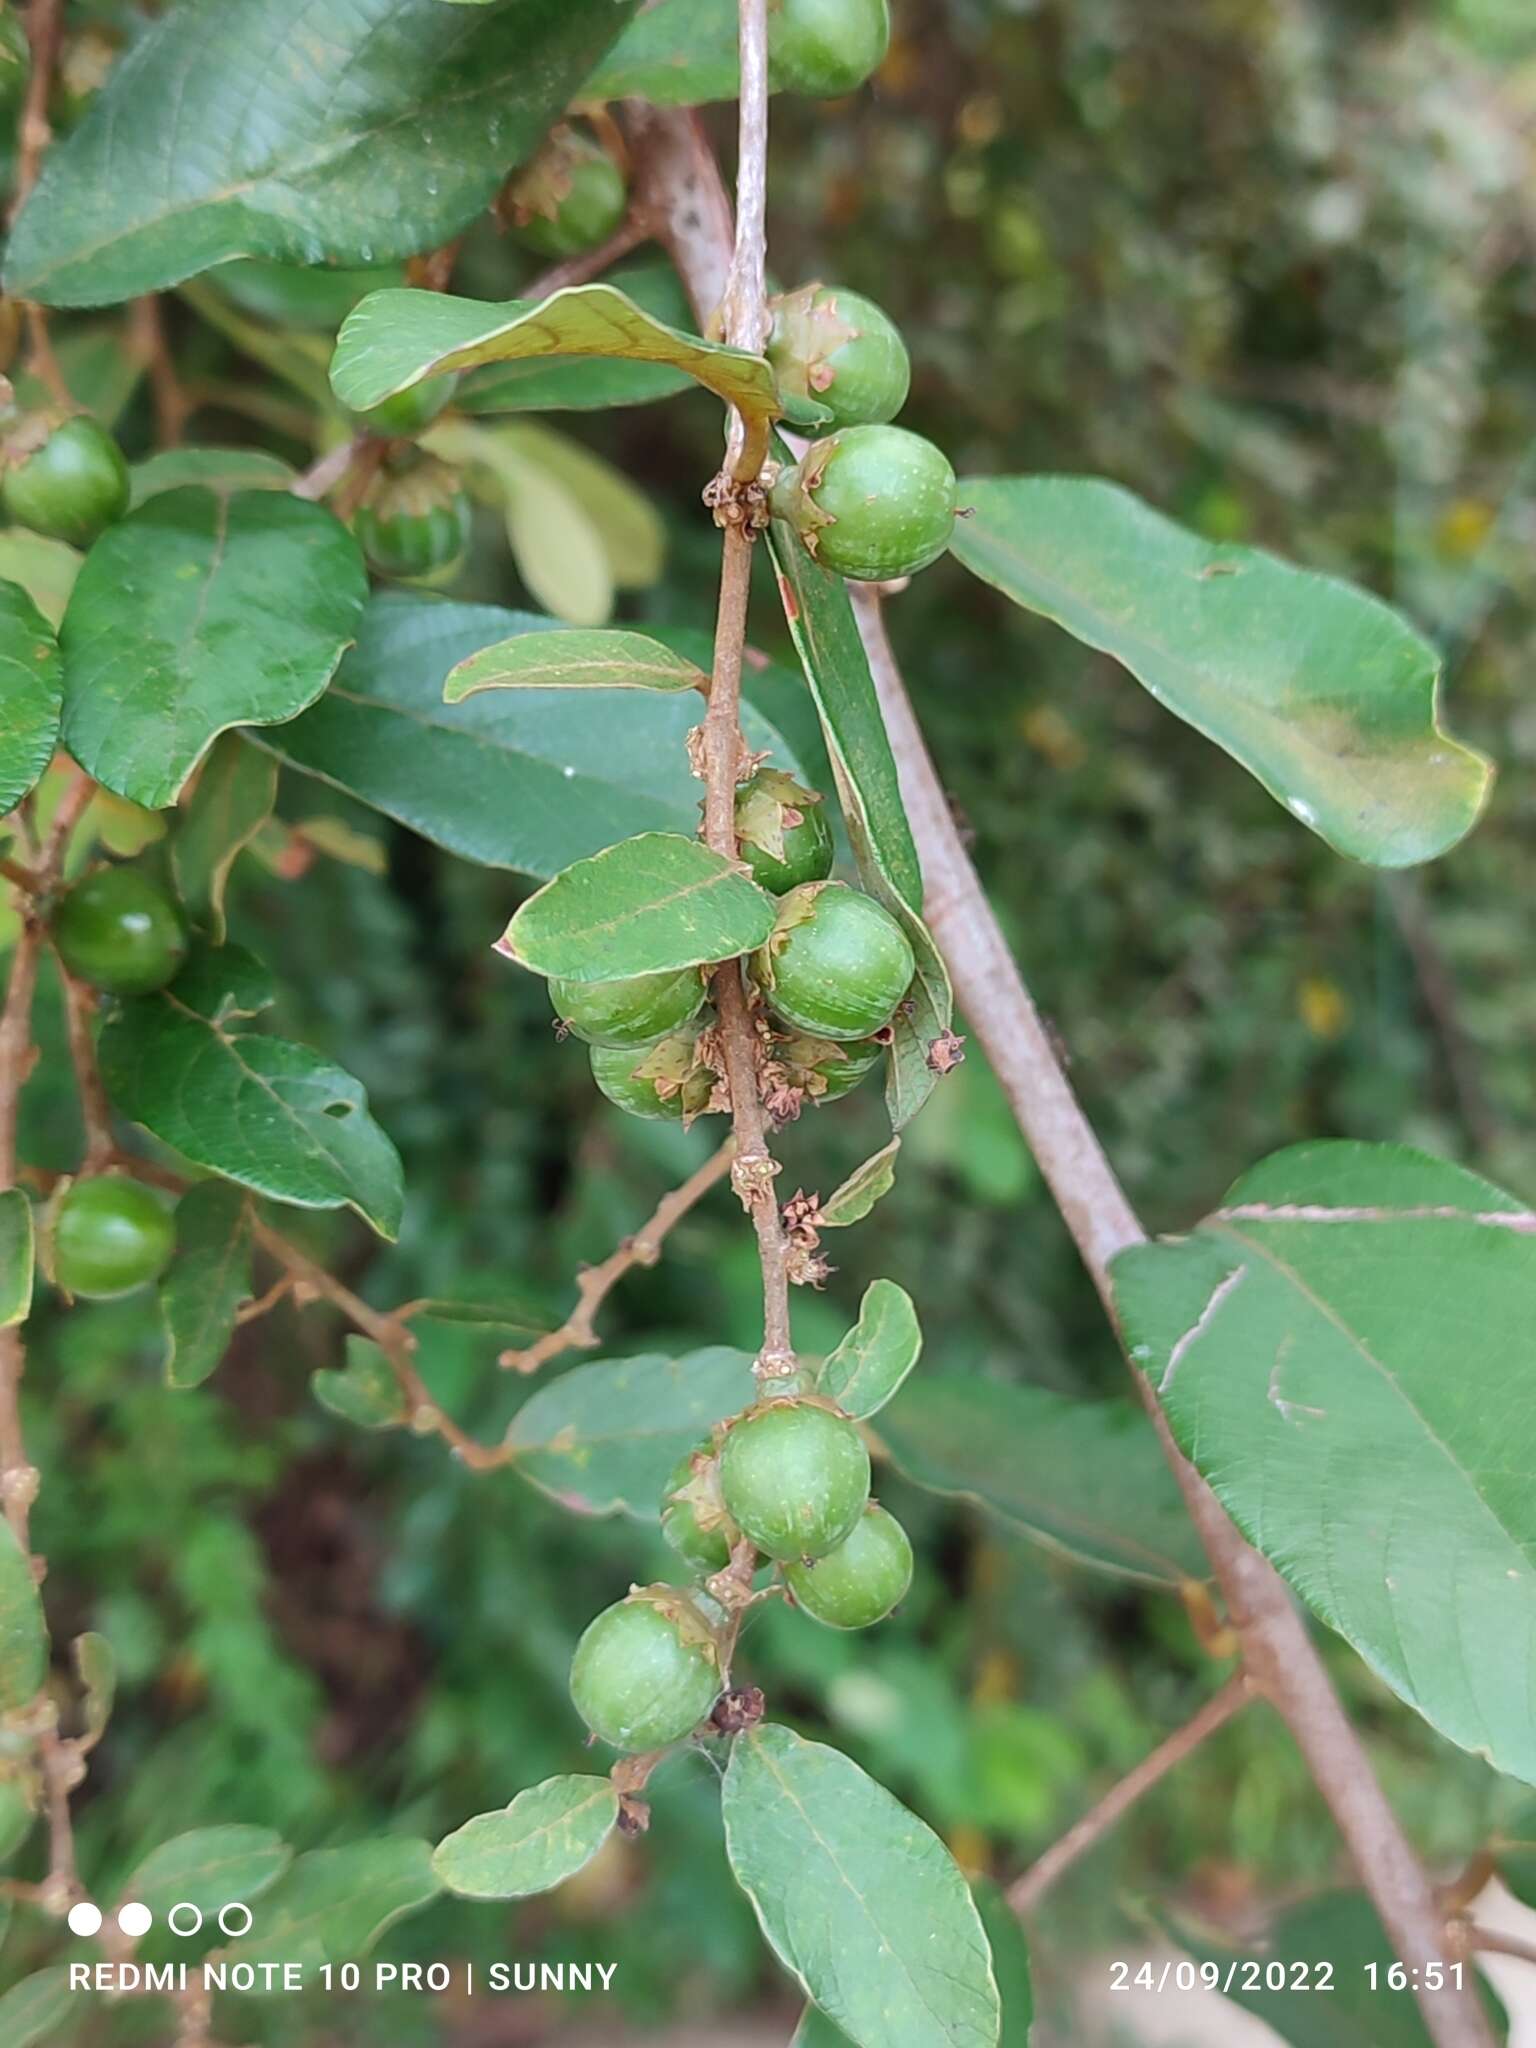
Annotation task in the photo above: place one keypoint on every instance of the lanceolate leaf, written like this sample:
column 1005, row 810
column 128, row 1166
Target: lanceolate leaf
column 827, row 639
column 545, row 1836
column 332, row 1905
column 16, row 1257
column 879, row 1351
column 394, row 339
column 31, row 693
column 857, row 1897
column 589, row 383
column 1323, row 692
column 96, row 1670
column 209, row 1868
column 521, row 779
column 368, row 133
column 23, row 1634
column 234, row 798
column 206, row 1281
column 1340, row 1349
column 645, row 905
column 271, row 1115
column 603, row 1439
column 865, row 1186
column 573, row 661
column 196, row 613
column 1085, row 1478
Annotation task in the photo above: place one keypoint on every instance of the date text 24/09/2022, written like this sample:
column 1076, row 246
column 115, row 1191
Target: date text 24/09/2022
column 1255, row 1973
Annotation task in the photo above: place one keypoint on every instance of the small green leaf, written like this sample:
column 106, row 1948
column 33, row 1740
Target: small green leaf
column 625, row 518
column 17, row 1254
column 209, row 1868
column 675, row 53
column 1010, row 1964
column 557, row 548
column 45, row 569
column 34, row 2010
column 206, row 1281
column 603, row 1438
column 648, row 904
column 196, row 613
column 235, row 793
column 365, row 1391
column 31, row 694
column 504, row 1317
column 332, row 1905
column 1320, row 690
column 96, row 1672
column 261, row 1111
column 225, row 470
column 573, row 661
column 879, row 1351
column 865, row 1186
column 857, row 1897
column 546, row 1835
column 23, row 1632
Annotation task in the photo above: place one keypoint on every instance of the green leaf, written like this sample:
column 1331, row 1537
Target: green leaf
column 1323, row 692
column 1010, row 1964
column 394, row 339
column 196, row 613
column 271, row 1115
column 1085, row 1478
column 206, row 1281
column 23, row 1632
column 648, row 904
column 879, row 1351
column 817, row 2031
column 224, row 470
column 45, row 569
column 209, row 1868
column 573, row 661
column 858, row 1898
column 16, row 1257
column 332, row 1905
column 365, row 1391
column 558, row 550
column 505, row 1317
column 589, row 383
column 625, row 519
column 603, row 1439
column 512, row 779
column 247, row 132
column 235, row 794
column 546, row 1835
column 675, row 53
column 31, row 694
column 865, row 1186
column 96, row 1671
column 35, row 2009
column 1337, row 1348
column 826, row 637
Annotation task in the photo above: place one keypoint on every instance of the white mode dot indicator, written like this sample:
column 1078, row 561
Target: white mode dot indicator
column 85, row 1918
column 135, row 1919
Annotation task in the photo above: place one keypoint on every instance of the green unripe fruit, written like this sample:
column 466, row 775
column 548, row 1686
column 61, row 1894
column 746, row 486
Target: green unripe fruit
column 405, row 413
column 416, row 524
column 108, row 1236
column 826, row 48
column 666, row 1080
column 873, row 503
column 827, row 1071
column 691, row 1492
column 860, row 1582
column 794, row 1477
column 630, row 1013
column 833, row 348
column 808, row 849
column 65, row 478
column 613, row 1069
column 120, row 933
column 645, row 1671
column 839, row 970
column 577, row 206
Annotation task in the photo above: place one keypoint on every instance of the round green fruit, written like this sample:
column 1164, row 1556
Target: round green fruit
column 808, row 846
column 794, row 1477
column 860, row 1582
column 65, row 478
column 840, row 971
column 825, row 1071
column 873, row 503
column 404, row 414
column 837, row 349
column 584, row 202
column 702, row 1548
column 416, row 524
column 109, row 1235
column 120, row 933
column 645, row 1671
column 630, row 1013
column 613, row 1069
column 825, row 48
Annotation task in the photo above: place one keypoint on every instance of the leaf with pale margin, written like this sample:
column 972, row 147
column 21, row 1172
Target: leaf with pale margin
column 274, row 1116
column 826, row 637
column 1324, row 693
column 23, row 1632
column 589, row 383
column 350, row 135
column 208, row 1278
column 857, row 1897
column 17, row 1257
column 1084, row 1478
column 546, row 1835
column 332, row 1905
column 31, row 694
column 34, row 2010
column 616, row 660
column 603, row 1438
column 512, row 779
column 1341, row 1349
column 366, row 1391
column 96, row 1673
column 858, row 1194
column 196, row 613
column 868, row 1367
column 209, row 1868
column 234, row 796
column 649, row 904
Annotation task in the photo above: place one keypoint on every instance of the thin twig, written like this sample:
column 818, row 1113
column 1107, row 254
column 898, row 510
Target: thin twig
column 595, row 1283
column 327, row 471
column 95, row 1109
column 253, row 1311
column 1027, row 1891
column 587, row 264
column 1437, row 988
column 1490, row 1941
column 45, row 32
column 19, row 877
column 172, row 404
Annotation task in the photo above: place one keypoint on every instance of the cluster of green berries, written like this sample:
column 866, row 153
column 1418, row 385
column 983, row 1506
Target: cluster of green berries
column 785, row 1485
column 63, row 475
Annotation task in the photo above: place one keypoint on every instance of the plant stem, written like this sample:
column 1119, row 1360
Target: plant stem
column 95, row 1109
column 587, row 264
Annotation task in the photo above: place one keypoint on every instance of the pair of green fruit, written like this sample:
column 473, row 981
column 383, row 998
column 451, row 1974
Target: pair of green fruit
column 792, row 1477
